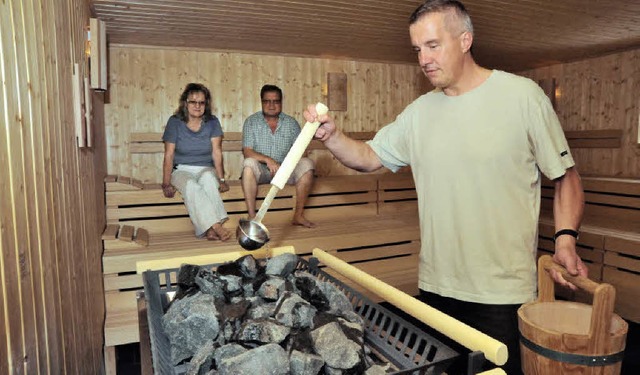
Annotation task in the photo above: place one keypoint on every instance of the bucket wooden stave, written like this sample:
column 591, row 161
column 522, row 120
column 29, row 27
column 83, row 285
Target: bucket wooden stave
column 561, row 337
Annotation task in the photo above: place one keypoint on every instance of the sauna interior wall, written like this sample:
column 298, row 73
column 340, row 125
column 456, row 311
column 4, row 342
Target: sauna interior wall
column 51, row 196
column 600, row 93
column 145, row 84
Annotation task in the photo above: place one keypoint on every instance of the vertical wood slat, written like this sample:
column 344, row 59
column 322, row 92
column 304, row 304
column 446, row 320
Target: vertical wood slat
column 11, row 348
column 51, row 305
column 21, row 325
column 55, row 333
column 67, row 159
column 43, row 294
column 337, row 91
column 98, row 48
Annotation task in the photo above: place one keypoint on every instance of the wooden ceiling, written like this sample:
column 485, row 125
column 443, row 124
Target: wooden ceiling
column 511, row 35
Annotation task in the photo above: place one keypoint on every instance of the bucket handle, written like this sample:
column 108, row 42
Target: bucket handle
column 604, row 296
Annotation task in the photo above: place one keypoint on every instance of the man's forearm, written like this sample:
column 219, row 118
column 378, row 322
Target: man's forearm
column 568, row 202
column 353, row 153
column 251, row 153
column 568, row 206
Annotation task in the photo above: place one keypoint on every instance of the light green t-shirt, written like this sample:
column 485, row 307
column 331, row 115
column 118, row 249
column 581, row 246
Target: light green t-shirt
column 476, row 160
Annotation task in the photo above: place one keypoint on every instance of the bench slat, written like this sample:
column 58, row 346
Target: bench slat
column 605, row 184
column 628, row 245
column 396, row 181
column 394, row 208
column 627, row 292
column 379, row 252
column 328, row 200
column 397, row 195
column 119, row 186
column 626, row 263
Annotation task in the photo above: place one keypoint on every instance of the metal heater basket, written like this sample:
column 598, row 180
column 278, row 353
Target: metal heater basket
column 389, row 336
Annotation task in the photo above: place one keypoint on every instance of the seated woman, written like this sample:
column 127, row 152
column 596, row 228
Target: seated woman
column 192, row 147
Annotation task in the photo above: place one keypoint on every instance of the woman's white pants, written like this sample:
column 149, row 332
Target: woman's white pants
column 199, row 188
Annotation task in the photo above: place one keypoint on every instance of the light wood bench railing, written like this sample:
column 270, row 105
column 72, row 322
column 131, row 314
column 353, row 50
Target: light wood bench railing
column 367, row 220
column 151, row 143
column 609, row 241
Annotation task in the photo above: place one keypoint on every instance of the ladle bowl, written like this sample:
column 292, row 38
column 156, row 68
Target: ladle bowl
column 251, row 235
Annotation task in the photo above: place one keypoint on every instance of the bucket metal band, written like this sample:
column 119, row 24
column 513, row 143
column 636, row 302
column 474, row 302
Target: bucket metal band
column 574, row 359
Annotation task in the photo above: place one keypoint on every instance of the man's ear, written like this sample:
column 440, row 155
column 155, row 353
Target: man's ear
column 466, row 40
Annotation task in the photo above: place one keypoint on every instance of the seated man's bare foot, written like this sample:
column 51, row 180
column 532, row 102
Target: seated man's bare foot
column 302, row 221
column 222, row 232
column 212, row 235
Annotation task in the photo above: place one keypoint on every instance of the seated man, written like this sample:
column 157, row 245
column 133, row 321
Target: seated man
column 267, row 137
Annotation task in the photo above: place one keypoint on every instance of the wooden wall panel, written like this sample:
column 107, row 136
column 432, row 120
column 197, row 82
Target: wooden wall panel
column 145, row 84
column 595, row 94
column 51, row 196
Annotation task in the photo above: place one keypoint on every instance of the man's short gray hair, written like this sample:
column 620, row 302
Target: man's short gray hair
column 439, row 6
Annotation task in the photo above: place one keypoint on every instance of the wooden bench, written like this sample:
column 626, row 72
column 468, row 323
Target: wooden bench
column 609, row 241
column 370, row 221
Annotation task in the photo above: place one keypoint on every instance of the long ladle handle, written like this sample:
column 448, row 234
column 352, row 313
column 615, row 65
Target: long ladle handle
column 290, row 161
column 266, row 203
column 297, row 149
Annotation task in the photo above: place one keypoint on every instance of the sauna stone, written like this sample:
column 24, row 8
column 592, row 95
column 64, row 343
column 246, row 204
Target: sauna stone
column 304, row 363
column 272, row 288
column 228, row 351
column 189, row 324
column 202, row 360
column 255, row 315
column 282, row 265
column 262, row 331
column 335, row 348
column 295, row 312
column 270, row 359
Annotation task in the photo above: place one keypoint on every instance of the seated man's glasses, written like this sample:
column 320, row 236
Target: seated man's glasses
column 195, row 102
column 268, row 101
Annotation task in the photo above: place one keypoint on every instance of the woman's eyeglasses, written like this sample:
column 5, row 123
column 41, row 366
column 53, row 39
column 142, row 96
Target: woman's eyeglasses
column 195, row 102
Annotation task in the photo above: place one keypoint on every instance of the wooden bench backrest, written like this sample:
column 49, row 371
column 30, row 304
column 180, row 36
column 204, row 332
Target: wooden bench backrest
column 611, row 203
column 151, row 143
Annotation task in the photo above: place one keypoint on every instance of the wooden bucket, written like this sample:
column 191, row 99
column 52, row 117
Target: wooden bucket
column 560, row 337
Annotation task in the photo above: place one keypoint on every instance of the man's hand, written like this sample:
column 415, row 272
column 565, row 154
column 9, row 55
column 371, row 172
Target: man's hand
column 273, row 166
column 223, row 187
column 327, row 127
column 566, row 256
column 168, row 190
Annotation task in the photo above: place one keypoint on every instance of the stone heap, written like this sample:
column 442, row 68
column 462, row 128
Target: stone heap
column 264, row 317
